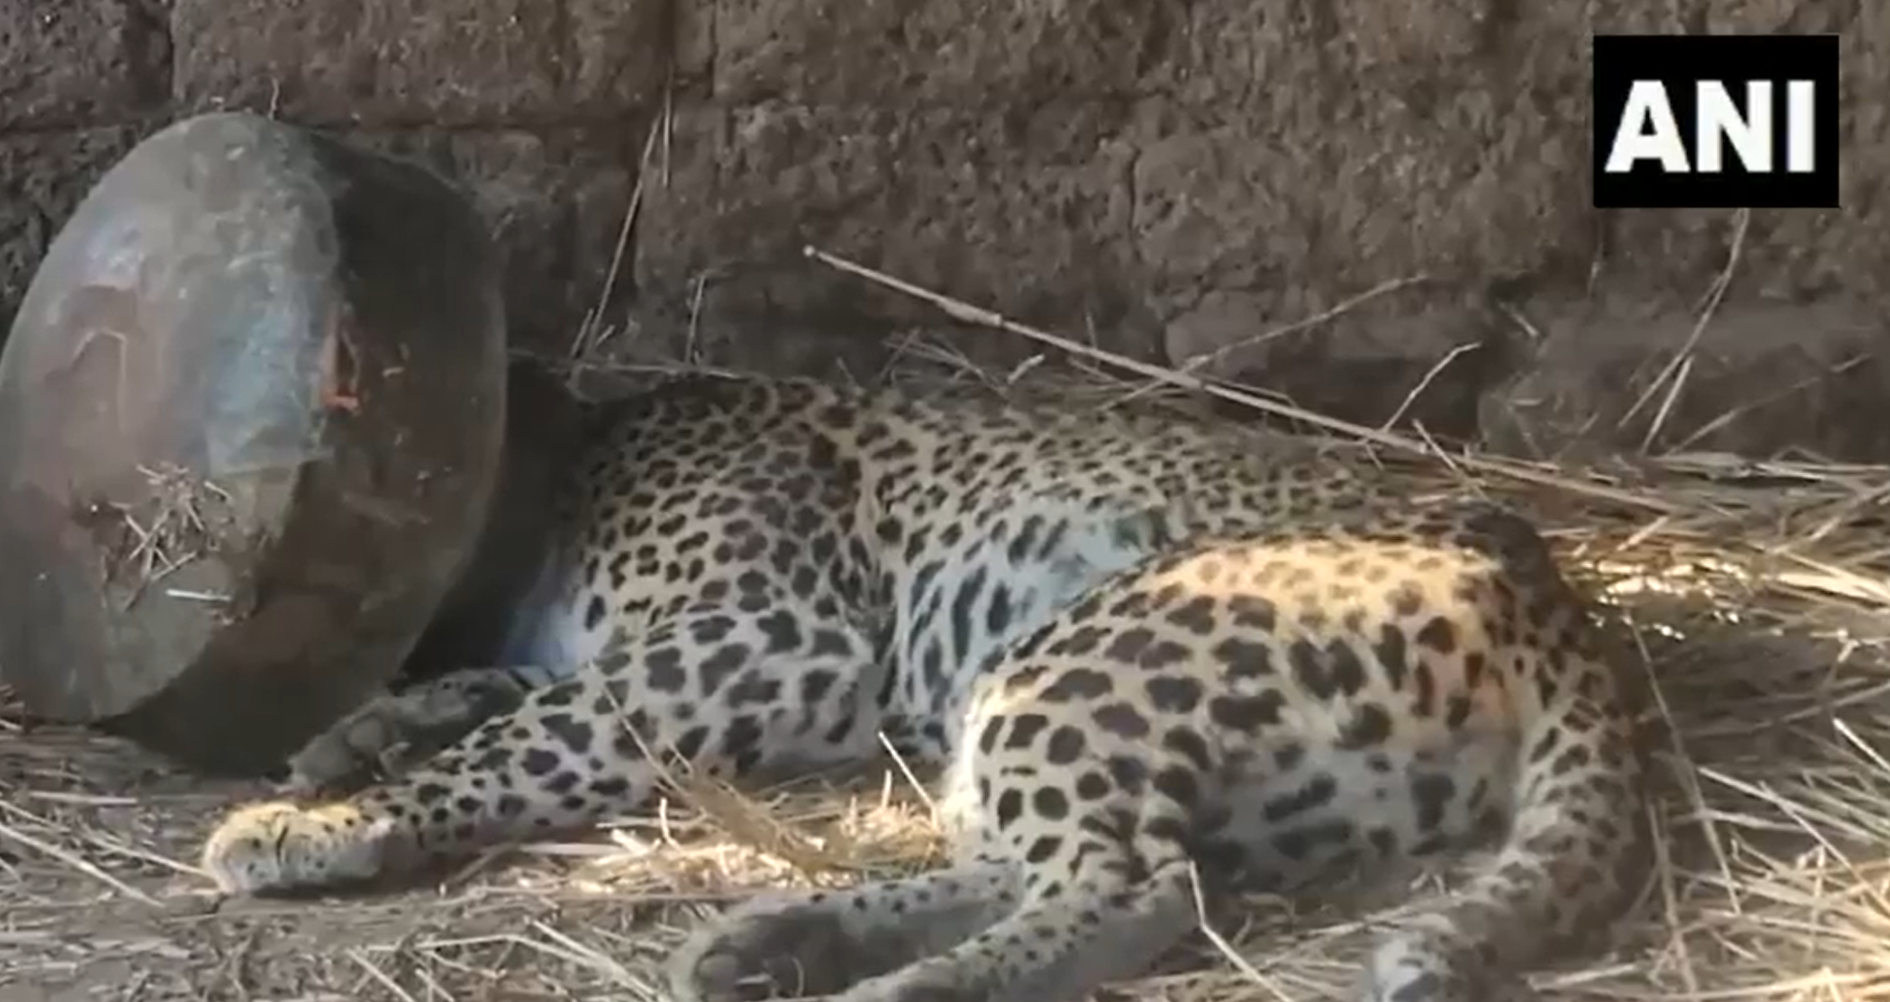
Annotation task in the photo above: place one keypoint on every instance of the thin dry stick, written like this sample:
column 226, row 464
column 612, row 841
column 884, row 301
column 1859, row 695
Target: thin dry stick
column 967, row 313
column 587, row 330
column 1305, row 323
column 76, row 862
column 912, row 780
column 1667, row 405
column 1430, row 375
column 1670, row 899
column 730, row 809
column 1734, row 413
column 576, row 952
column 379, row 976
column 1198, row 362
column 1713, row 297
column 1222, row 945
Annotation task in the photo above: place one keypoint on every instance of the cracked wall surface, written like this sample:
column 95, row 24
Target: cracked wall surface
column 1165, row 178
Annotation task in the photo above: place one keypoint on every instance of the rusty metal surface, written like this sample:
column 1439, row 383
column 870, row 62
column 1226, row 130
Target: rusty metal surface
column 250, row 415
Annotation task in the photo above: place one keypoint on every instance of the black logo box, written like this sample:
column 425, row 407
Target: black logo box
column 1678, row 62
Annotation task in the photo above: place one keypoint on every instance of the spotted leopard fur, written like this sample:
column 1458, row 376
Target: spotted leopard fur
column 1151, row 652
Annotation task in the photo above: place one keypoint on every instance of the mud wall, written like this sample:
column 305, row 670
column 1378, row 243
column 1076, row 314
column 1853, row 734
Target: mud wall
column 1164, row 178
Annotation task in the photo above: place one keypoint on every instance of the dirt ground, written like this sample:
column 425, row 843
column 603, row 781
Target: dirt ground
column 100, row 901
column 99, row 898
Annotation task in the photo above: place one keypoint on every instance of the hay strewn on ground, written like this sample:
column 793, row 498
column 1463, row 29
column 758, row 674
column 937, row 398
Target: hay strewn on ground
column 1755, row 598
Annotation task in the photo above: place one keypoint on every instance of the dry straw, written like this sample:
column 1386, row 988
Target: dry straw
column 1751, row 596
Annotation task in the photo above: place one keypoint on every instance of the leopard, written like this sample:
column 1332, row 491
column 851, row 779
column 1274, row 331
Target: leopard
column 1158, row 659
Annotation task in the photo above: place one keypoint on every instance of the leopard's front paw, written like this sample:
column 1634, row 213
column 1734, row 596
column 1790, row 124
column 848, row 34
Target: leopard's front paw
column 280, row 846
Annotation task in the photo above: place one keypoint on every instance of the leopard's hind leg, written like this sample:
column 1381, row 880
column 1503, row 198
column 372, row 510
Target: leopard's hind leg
column 1572, row 860
column 814, row 943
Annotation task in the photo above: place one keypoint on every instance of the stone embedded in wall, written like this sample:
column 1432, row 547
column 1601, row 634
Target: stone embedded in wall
column 622, row 51
column 80, row 64
column 1333, row 183
column 1411, row 356
column 1766, row 377
column 1558, row 375
column 418, row 62
column 1216, row 209
column 1307, row 69
column 1004, row 53
column 43, row 177
column 1024, row 211
column 555, row 201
